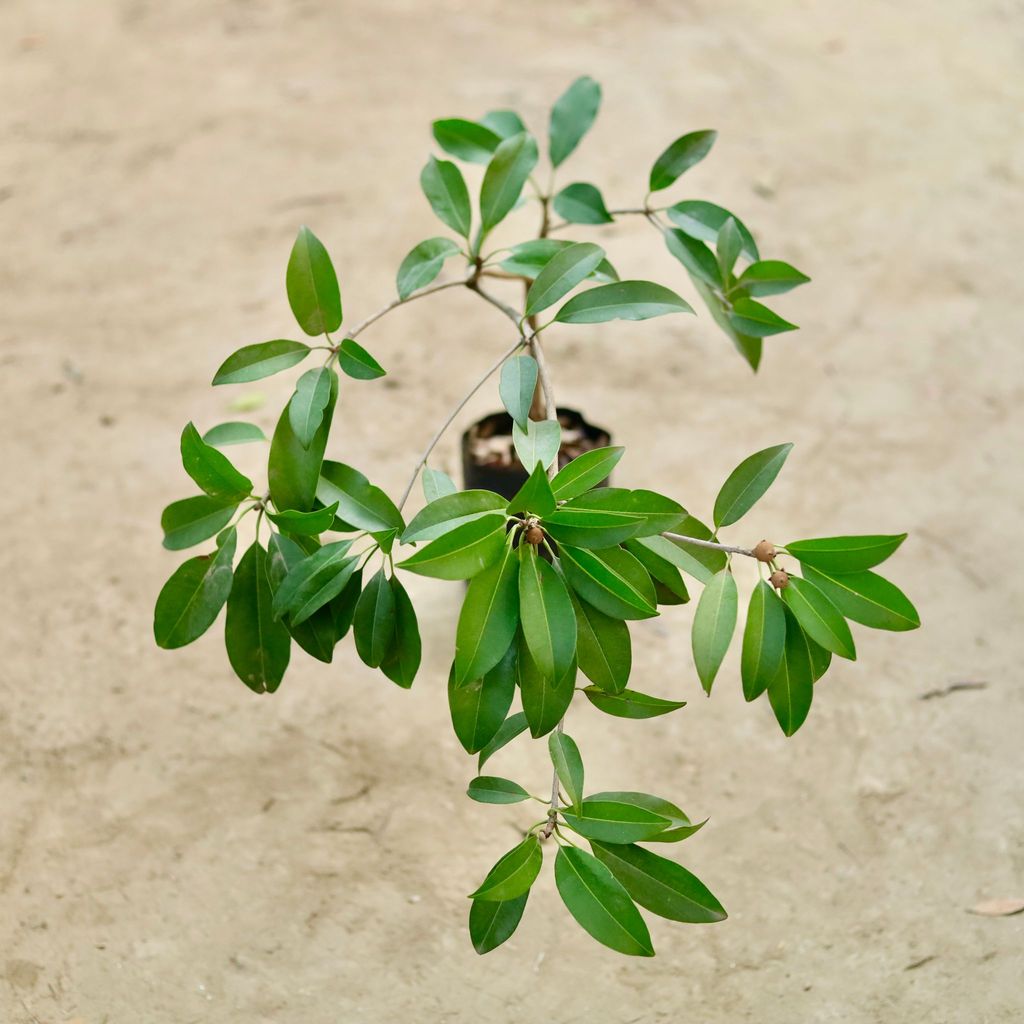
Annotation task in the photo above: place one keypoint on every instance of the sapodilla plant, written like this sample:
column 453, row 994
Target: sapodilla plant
column 556, row 574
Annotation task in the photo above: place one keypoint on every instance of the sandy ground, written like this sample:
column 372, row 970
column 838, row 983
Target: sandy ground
column 174, row 849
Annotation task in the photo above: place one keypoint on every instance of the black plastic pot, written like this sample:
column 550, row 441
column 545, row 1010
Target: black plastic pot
column 506, row 477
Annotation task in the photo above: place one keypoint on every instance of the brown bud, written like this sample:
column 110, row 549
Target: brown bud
column 764, row 551
column 779, row 579
column 534, row 535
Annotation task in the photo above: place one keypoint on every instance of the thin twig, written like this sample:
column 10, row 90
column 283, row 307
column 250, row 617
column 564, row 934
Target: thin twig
column 697, row 542
column 498, row 304
column 551, row 410
column 394, row 304
column 614, row 213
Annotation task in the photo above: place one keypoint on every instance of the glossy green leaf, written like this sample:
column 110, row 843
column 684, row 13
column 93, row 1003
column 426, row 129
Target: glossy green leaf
column 582, row 203
column 193, row 520
column 504, row 123
column 820, row 618
column 713, row 626
column 571, row 117
column 603, row 647
column 544, row 701
column 563, row 272
column 770, row 277
column 258, row 645
column 467, row 140
column 764, row 640
column 437, row 484
column 517, row 385
column 588, row 470
column 680, row 826
column 211, row 470
column 535, row 495
column 317, row 579
column 309, row 403
column 359, row 502
column 505, row 177
column 528, row 259
column 538, row 443
column 747, row 483
column 490, row 789
column 749, row 347
column 631, row 704
column 192, row 598
column 612, row 580
column 307, row 523
column 513, row 726
column 728, row 247
column 845, row 554
column 867, row 598
column 478, row 708
column 695, row 256
column 225, row 434
column 565, row 756
column 655, row 512
column 253, row 362
column 599, row 903
column 450, row 510
column 546, row 614
column 751, row 317
column 446, row 191
column 514, row 873
column 373, row 625
column 686, row 151
column 661, row 569
column 489, row 618
column 703, row 221
column 492, row 922
column 624, row 300
column 423, row 264
column 342, row 608
column 462, row 553
column 588, row 527
column 402, row 661
column 701, row 563
column 791, row 691
column 616, row 821
column 357, row 363
column 660, row 885
column 312, row 285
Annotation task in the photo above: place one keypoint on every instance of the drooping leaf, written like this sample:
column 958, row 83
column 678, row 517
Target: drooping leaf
column 695, row 256
column 312, row 285
column 359, row 502
column 703, row 221
column 422, row 264
column 212, row 470
column 535, row 495
column 612, row 580
column 516, row 387
column 770, row 277
column 492, row 922
column 357, row 363
column 513, row 726
column 309, row 403
column 450, row 510
column 478, row 708
column 192, row 598
column 490, row 789
column 749, row 347
column 792, row 689
column 193, row 520
column 588, row 527
column 588, row 470
column 565, row 756
column 514, row 873
column 539, row 443
column 599, row 903
column 764, row 640
column 680, row 156
column 528, row 259
column 867, row 598
column 582, row 203
column 630, row 703
column 563, row 272
column 506, row 174
column 624, row 300
column 680, row 826
column 748, row 482
column 616, row 821
column 307, row 523
column 463, row 552
column 467, row 140
column 402, row 661
column 662, row 570
column 545, row 700
column 235, row 432
column 751, row 317
column 713, row 626
column 820, row 618
column 373, row 625
column 845, row 554
column 489, row 618
column 571, row 117
column 253, row 362
column 437, row 484
column 317, row 579
column 446, row 191
column 603, row 647
column 546, row 614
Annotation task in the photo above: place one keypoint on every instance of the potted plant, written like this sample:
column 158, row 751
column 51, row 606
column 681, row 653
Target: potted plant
column 557, row 563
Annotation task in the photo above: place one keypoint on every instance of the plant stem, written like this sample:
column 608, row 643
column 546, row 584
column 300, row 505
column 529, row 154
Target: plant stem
column 697, row 542
column 394, row 304
column 614, row 213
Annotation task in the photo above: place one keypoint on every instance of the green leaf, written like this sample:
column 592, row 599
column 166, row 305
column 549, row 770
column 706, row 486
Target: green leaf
column 512, row 727
column 757, row 320
column 359, row 502
column 680, row 827
column 317, row 579
column 686, row 151
column 528, row 259
column 661, row 569
column 764, row 640
column 544, row 700
column 535, row 495
column 309, row 403
column 450, row 510
column 612, row 580
column 792, row 689
column 582, row 203
column 518, row 383
column 478, row 708
column 701, row 563
column 462, row 553
column 845, row 554
column 563, row 272
column 402, row 662
column 504, row 123
column 770, row 277
column 571, row 117
column 588, row 527
column 357, row 363
column 591, row 469
column 211, row 470
column 192, row 598
column 703, row 220
column 865, row 597
column 624, row 300
column 616, row 821
column 538, row 443
column 489, row 618
column 660, row 885
column 695, row 256
column 467, row 140
column 505, row 177
column 258, row 645
column 423, row 264
column 342, row 608
column 312, row 285
column 729, row 244
column 599, row 903
column 631, row 704
column 193, row 520
column 446, row 191
column 373, row 625
column 293, row 469
column 307, row 523
column 253, row 362
column 603, row 647
column 492, row 922
column 225, row 434
column 747, row 483
column 546, row 614
column 437, row 484
column 565, row 756
column 749, row 347
column 713, row 625
column 513, row 874
column 820, row 618
column 489, row 789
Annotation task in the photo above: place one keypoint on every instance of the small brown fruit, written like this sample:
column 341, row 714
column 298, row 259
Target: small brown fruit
column 779, row 579
column 764, row 551
column 534, row 535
